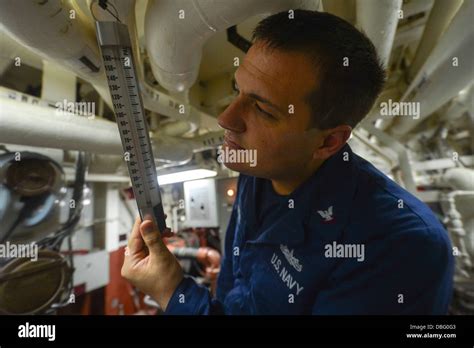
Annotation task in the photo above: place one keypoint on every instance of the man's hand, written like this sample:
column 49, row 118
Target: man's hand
column 149, row 265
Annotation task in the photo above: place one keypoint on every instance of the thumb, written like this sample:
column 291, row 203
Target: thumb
column 152, row 237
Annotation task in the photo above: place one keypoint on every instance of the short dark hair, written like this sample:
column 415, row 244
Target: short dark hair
column 345, row 94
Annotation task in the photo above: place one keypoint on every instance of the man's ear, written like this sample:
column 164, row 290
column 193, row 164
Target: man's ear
column 333, row 140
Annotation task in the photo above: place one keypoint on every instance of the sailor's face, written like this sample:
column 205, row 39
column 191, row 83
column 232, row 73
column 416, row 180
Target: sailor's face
column 271, row 116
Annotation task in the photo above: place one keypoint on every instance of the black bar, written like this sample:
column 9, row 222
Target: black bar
column 289, row 330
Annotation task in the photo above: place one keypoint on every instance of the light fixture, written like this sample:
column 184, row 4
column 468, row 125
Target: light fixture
column 186, row 175
column 230, row 192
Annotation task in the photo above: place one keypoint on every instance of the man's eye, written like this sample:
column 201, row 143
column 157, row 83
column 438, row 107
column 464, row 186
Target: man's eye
column 263, row 111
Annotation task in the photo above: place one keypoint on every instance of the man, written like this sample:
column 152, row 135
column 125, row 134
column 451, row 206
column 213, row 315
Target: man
column 315, row 229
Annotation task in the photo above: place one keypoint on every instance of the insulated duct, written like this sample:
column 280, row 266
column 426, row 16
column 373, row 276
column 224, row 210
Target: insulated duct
column 56, row 32
column 176, row 30
column 47, row 29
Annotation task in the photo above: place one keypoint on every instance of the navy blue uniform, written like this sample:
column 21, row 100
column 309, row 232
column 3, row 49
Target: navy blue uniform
column 347, row 241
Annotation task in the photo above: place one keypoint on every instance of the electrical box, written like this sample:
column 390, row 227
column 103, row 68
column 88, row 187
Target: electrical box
column 201, row 203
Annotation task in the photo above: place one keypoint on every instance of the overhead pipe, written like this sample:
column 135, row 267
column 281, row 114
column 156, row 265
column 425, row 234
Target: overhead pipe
column 440, row 16
column 153, row 99
column 34, row 125
column 404, row 159
column 439, row 80
column 176, row 30
column 47, row 29
column 379, row 20
column 11, row 50
column 459, row 105
column 36, row 122
column 459, row 178
column 457, row 208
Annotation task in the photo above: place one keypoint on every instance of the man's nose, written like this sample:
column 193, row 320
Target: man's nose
column 232, row 117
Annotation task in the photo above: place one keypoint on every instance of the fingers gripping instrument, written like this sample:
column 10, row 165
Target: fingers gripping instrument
column 115, row 46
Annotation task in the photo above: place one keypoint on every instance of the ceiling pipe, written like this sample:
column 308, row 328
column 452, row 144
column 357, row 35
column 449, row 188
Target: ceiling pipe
column 379, row 20
column 448, row 70
column 11, row 50
column 459, row 178
column 35, row 123
column 48, row 30
column 441, row 14
column 404, row 160
column 176, row 30
column 459, row 105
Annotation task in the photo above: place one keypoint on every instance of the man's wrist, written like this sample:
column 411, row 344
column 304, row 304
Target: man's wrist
column 163, row 296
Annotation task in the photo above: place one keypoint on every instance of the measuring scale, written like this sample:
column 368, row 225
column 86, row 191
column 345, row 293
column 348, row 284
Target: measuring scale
column 115, row 45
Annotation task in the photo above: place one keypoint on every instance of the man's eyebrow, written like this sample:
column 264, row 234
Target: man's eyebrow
column 265, row 101
column 259, row 98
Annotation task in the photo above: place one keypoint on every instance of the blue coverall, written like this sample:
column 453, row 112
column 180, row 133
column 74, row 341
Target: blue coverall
column 349, row 240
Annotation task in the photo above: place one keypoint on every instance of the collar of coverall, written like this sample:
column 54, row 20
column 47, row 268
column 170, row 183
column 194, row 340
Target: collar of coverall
column 332, row 185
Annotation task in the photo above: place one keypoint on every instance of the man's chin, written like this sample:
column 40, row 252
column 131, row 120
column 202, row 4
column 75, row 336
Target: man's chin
column 243, row 168
column 240, row 160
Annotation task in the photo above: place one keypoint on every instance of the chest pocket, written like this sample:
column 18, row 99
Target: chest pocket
column 277, row 286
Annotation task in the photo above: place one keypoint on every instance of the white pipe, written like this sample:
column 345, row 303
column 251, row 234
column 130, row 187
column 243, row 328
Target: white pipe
column 34, row 125
column 175, row 43
column 25, row 123
column 402, row 153
column 441, row 14
column 47, row 29
column 439, row 80
column 459, row 179
column 175, row 128
column 379, row 20
column 455, row 226
column 11, row 50
column 459, row 105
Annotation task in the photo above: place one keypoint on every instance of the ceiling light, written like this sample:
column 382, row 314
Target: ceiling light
column 186, row 175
